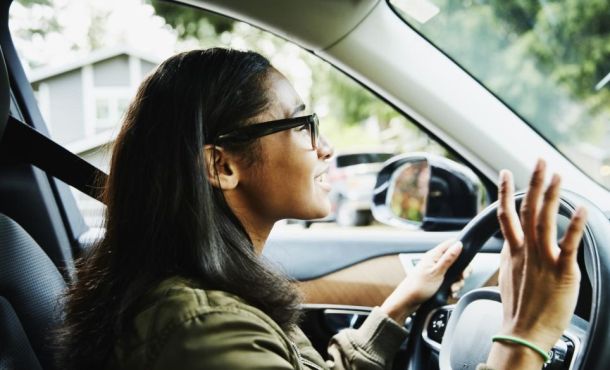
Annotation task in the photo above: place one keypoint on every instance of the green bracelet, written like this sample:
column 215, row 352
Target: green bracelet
column 523, row 342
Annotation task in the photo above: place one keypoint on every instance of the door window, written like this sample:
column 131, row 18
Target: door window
column 89, row 66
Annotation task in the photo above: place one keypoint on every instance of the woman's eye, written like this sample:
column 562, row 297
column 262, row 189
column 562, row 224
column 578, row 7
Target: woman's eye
column 303, row 128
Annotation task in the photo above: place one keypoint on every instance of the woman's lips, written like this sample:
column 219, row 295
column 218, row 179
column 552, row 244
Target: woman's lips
column 322, row 181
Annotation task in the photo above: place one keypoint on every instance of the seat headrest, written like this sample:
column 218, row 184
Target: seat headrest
column 4, row 94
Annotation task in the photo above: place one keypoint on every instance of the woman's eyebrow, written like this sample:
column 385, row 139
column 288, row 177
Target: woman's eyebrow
column 298, row 109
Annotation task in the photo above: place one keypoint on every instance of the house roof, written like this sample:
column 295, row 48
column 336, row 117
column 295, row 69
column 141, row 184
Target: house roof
column 92, row 58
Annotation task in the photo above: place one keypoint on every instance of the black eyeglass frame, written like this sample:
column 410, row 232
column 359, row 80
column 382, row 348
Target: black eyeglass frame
column 256, row 130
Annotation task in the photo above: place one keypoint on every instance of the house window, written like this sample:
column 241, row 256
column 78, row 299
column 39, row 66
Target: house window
column 122, row 105
column 102, row 110
column 110, row 106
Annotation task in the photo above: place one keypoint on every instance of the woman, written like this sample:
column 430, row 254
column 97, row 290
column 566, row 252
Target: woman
column 214, row 150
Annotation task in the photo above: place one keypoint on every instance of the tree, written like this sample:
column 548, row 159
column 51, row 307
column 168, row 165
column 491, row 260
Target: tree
column 543, row 58
column 189, row 22
column 346, row 106
column 45, row 23
column 570, row 40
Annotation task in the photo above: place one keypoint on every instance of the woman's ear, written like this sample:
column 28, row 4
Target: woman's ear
column 220, row 167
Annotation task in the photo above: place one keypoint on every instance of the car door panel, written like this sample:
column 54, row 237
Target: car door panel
column 366, row 283
column 343, row 276
column 322, row 253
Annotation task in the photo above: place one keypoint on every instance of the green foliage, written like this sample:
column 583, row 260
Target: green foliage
column 46, row 24
column 542, row 57
column 348, row 105
column 569, row 38
column 29, row 3
column 350, row 102
column 189, row 22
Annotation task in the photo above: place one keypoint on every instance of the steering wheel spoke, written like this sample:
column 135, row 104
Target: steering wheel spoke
column 454, row 331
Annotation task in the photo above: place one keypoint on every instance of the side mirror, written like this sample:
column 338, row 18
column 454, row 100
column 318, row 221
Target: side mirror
column 427, row 191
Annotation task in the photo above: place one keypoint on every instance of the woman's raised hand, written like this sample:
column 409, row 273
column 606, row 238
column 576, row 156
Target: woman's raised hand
column 539, row 278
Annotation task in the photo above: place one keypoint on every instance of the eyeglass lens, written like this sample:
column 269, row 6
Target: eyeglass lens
column 314, row 131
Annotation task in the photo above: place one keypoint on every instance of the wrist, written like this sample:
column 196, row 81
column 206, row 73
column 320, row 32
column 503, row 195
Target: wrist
column 541, row 338
column 507, row 355
column 398, row 313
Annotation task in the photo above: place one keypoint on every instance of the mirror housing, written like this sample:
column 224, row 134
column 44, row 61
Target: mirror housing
column 427, row 191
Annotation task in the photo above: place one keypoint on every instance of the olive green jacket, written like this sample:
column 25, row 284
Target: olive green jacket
column 182, row 326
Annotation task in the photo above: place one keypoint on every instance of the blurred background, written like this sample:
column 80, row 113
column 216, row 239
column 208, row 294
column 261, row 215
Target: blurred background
column 86, row 58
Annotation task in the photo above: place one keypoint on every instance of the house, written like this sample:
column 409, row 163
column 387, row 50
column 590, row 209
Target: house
column 83, row 102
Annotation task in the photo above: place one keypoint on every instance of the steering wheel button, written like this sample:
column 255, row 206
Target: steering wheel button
column 437, row 324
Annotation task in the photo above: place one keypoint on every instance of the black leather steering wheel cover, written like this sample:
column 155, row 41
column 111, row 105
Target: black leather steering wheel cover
column 596, row 244
column 597, row 256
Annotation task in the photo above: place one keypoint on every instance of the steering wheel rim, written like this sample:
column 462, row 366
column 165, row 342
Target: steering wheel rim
column 597, row 262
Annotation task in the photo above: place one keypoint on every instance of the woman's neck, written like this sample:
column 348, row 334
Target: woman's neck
column 257, row 228
column 258, row 237
column 257, row 224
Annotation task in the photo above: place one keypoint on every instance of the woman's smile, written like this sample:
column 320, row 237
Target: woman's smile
column 321, row 180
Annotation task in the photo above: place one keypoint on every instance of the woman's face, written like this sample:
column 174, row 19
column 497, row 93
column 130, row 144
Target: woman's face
column 289, row 179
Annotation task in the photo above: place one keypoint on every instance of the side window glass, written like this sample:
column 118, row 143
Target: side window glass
column 85, row 60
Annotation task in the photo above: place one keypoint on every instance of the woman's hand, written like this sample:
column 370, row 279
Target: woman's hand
column 422, row 282
column 538, row 279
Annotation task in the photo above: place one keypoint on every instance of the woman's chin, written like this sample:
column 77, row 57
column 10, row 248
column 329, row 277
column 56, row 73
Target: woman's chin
column 320, row 211
column 314, row 208
column 324, row 208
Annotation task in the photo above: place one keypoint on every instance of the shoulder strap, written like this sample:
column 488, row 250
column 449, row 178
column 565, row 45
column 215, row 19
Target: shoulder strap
column 23, row 144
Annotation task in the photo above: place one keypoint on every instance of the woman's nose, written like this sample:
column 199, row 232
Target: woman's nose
column 325, row 150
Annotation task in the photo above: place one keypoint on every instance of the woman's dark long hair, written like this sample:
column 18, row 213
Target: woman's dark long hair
column 164, row 218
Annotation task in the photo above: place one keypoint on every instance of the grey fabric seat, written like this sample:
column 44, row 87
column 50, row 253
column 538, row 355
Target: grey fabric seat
column 30, row 284
column 30, row 287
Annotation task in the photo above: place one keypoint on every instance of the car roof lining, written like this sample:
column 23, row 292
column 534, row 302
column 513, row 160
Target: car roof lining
column 313, row 24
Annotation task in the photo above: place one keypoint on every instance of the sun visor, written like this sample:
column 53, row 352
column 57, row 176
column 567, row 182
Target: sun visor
column 4, row 94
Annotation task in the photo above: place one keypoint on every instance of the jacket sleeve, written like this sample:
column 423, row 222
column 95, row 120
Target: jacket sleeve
column 371, row 347
column 240, row 340
column 222, row 340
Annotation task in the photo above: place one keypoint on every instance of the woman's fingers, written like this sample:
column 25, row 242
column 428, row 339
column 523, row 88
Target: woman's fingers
column 507, row 214
column 571, row 239
column 449, row 257
column 531, row 202
column 440, row 249
column 455, row 288
column 546, row 229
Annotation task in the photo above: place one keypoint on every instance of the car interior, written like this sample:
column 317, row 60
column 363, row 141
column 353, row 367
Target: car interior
column 43, row 232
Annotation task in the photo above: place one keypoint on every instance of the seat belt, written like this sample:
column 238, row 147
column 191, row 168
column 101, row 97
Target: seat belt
column 21, row 143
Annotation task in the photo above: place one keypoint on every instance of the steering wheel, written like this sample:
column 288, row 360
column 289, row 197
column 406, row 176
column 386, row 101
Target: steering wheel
column 461, row 333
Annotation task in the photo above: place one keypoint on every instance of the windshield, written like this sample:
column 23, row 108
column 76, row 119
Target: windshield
column 549, row 60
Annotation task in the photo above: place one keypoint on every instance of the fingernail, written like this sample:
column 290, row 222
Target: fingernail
column 503, row 175
column 555, row 179
column 457, row 247
column 540, row 164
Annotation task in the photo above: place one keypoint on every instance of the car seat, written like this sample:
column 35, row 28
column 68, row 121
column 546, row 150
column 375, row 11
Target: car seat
column 30, row 284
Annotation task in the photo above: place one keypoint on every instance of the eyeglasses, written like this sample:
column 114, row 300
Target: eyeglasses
column 250, row 132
